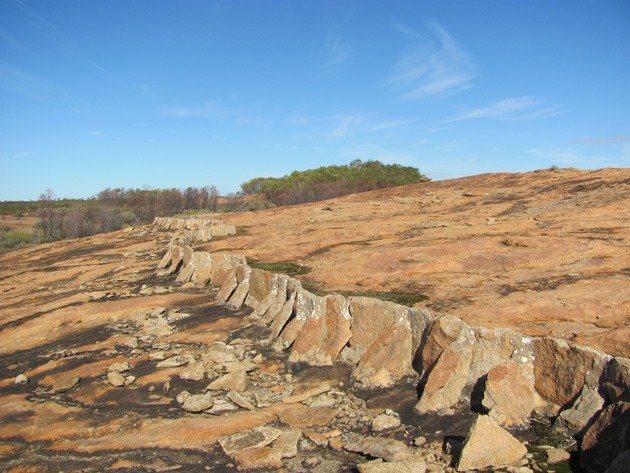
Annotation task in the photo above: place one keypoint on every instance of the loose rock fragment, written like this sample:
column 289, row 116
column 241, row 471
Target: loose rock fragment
column 198, row 402
column 115, row 379
column 21, row 379
column 489, row 445
column 384, row 422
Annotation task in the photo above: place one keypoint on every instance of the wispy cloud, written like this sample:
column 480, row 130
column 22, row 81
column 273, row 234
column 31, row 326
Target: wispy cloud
column 213, row 111
column 513, row 108
column 96, row 133
column 337, row 51
column 347, row 124
column 604, row 140
column 391, row 124
column 437, row 67
column 23, row 154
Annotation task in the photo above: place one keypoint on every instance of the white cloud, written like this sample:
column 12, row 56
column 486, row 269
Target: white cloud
column 345, row 125
column 23, row 154
column 96, row 133
column 208, row 110
column 513, row 108
column 338, row 51
column 435, row 68
column 390, row 124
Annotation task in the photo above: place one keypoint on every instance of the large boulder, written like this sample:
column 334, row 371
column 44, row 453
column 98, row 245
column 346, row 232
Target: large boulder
column 509, row 394
column 606, row 438
column 561, row 370
column 382, row 340
column 274, row 301
column 324, row 333
column 446, row 380
column 202, row 263
column 488, row 445
column 493, row 347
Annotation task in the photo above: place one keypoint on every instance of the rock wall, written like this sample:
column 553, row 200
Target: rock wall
column 196, row 229
column 500, row 372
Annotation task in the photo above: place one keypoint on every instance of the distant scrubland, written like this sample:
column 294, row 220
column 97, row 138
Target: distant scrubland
column 113, row 209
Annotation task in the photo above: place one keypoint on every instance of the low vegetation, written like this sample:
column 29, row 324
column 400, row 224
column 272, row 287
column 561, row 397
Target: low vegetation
column 283, row 267
column 10, row 238
column 330, row 181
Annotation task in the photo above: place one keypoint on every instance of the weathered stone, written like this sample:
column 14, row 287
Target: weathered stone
column 307, row 393
column 307, row 306
column 283, row 315
column 420, row 320
column 129, row 379
column 221, row 407
column 186, row 273
column 237, row 298
column 445, row 381
column 606, row 438
column 301, row 416
column 489, row 445
column 181, row 397
column 405, row 466
column 388, row 449
column 509, row 396
column 115, row 379
column 562, row 370
column 174, row 361
column 230, row 382
column 578, row 416
column 277, row 290
column 227, row 289
column 202, row 262
column 382, row 338
column 119, row 367
column 198, row 402
column 157, row 356
column 260, row 286
column 324, row 334
column 219, row 352
column 240, row 400
column 223, row 265
column 258, row 457
column 617, row 383
column 194, row 372
column 443, row 332
column 21, row 379
column 287, row 443
column 384, row 422
column 166, row 259
column 232, row 366
column 492, row 347
column 177, row 256
column 557, row 455
column 258, row 437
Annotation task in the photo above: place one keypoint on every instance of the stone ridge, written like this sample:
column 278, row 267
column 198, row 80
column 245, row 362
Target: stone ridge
column 196, row 229
column 387, row 342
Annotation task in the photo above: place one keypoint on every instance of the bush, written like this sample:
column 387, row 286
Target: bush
column 11, row 238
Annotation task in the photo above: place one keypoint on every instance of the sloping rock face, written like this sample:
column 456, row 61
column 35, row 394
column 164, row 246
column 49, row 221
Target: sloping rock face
column 561, row 370
column 385, row 342
column 196, row 229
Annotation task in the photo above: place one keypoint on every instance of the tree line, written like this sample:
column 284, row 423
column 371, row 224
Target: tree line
column 331, row 181
column 112, row 209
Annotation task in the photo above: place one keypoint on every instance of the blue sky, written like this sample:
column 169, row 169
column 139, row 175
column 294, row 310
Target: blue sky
column 97, row 94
